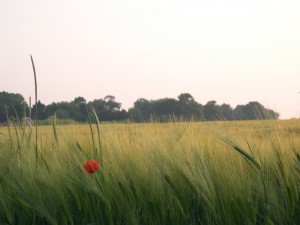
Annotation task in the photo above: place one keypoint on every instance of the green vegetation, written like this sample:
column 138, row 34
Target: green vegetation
column 14, row 103
column 107, row 109
column 245, row 172
column 188, row 109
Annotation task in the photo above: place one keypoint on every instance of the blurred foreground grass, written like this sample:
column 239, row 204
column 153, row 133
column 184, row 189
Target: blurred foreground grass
column 164, row 174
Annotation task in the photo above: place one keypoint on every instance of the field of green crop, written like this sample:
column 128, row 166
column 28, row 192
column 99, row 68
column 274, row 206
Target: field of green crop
column 152, row 174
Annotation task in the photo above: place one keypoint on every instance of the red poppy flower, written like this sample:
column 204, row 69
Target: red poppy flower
column 91, row 166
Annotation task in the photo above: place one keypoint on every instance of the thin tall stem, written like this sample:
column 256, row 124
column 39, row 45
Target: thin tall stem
column 36, row 132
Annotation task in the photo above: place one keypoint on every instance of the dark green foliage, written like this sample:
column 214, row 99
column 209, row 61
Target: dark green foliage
column 40, row 108
column 227, row 112
column 13, row 102
column 186, row 108
column 163, row 110
column 254, row 111
column 212, row 111
column 108, row 109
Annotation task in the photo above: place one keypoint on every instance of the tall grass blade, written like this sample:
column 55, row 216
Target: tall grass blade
column 36, row 110
column 19, row 124
column 8, row 127
column 29, row 107
column 54, row 128
column 98, row 132
column 91, row 129
column 18, row 139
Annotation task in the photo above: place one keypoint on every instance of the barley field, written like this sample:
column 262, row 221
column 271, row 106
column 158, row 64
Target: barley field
column 183, row 173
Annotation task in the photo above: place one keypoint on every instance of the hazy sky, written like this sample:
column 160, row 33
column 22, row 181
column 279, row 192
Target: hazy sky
column 231, row 51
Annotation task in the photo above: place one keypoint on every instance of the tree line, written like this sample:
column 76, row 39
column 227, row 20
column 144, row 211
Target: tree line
column 108, row 109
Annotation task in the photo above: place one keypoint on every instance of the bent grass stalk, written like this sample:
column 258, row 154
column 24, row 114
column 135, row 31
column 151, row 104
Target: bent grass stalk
column 243, row 153
column 250, row 158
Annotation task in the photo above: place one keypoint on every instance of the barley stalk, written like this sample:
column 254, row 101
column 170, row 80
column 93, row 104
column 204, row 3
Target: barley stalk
column 36, row 111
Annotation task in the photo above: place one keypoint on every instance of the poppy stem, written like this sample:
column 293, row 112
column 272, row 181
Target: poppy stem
column 91, row 128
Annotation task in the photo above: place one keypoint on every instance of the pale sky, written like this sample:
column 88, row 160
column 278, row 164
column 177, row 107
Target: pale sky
column 231, row 51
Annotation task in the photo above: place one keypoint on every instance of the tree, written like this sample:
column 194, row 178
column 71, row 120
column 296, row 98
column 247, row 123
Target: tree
column 79, row 101
column 254, row 111
column 166, row 108
column 51, row 109
column 144, row 108
column 108, row 109
column 80, row 113
column 239, row 112
column 41, row 111
column 189, row 107
column 212, row 111
column 111, row 104
column 227, row 112
column 186, row 99
column 62, row 114
column 135, row 115
column 14, row 103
